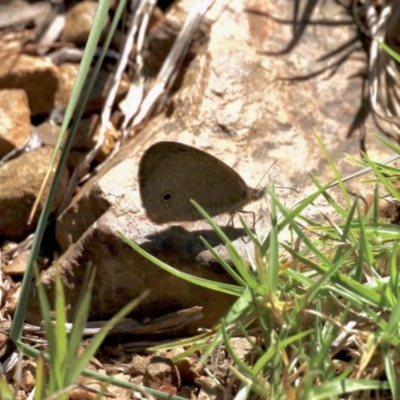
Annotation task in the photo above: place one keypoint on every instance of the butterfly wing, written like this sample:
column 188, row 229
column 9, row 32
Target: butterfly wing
column 171, row 173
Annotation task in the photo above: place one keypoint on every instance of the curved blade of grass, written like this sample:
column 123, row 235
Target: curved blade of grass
column 388, row 50
column 291, row 214
column 251, row 235
column 348, row 284
column 394, row 275
column 336, row 173
column 242, row 307
column 273, row 254
column 78, row 325
column 58, row 365
column 223, row 263
column 46, row 315
column 78, row 363
column 94, row 344
column 5, row 390
column 337, row 387
column 389, row 144
column 245, row 369
column 40, row 378
column 267, row 357
column 217, row 286
column 238, row 262
column 391, row 375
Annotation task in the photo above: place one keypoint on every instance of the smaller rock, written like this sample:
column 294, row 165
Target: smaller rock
column 81, row 393
column 15, row 120
column 87, row 135
column 162, row 374
column 100, row 90
column 79, row 22
column 35, row 75
column 48, row 133
column 28, row 376
column 137, row 366
column 210, row 389
column 20, row 182
column 18, row 265
column 68, row 73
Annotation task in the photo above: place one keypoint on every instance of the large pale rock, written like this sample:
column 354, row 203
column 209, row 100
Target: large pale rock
column 233, row 105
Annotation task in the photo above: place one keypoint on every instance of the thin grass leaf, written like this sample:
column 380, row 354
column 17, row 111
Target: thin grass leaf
column 273, row 254
column 244, row 368
column 388, row 143
column 264, row 321
column 96, row 341
column 40, row 378
column 290, row 215
column 333, row 203
column 362, row 258
column 78, row 325
column 267, row 357
column 32, row 352
column 20, row 311
column 298, row 277
column 256, row 385
column 223, row 263
column 376, row 204
column 234, row 255
column 394, row 275
column 391, row 375
column 249, row 233
column 362, row 292
column 321, row 358
column 338, row 387
column 200, row 339
column 388, row 50
column 382, row 232
column 241, row 309
column 392, row 327
column 45, row 310
column 5, row 390
column 334, row 170
column 383, row 179
column 58, row 365
column 217, row 286
column 345, row 233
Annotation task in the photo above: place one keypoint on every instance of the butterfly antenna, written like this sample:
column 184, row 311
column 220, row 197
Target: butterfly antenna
column 269, row 168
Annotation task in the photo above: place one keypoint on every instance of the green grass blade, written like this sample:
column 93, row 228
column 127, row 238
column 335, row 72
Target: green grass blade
column 31, row 352
column 388, row 50
column 19, row 315
column 94, row 344
column 273, row 254
column 40, row 377
column 81, row 316
column 223, row 263
column 218, row 286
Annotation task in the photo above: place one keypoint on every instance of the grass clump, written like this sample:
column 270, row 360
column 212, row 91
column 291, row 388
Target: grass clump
column 320, row 312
